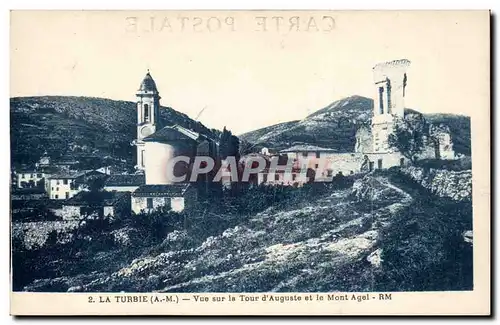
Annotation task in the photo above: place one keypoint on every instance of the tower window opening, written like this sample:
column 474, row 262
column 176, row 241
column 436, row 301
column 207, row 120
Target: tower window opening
column 146, row 113
column 405, row 80
column 381, row 99
column 389, row 100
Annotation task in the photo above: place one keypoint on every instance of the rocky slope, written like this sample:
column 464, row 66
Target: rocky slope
column 456, row 185
column 321, row 245
column 383, row 233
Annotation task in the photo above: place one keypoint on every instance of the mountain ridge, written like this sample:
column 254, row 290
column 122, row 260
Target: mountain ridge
column 334, row 126
column 103, row 127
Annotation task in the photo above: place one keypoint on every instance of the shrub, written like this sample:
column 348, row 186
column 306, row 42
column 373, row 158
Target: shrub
column 455, row 165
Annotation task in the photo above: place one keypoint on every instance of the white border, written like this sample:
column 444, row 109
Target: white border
column 7, row 5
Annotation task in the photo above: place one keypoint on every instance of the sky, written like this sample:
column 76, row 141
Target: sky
column 251, row 69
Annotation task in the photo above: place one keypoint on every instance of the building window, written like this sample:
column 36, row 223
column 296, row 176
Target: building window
column 329, row 173
column 22, row 175
column 264, row 178
column 65, row 182
column 67, row 195
column 351, row 172
column 57, row 182
column 56, row 196
column 317, row 154
column 379, row 164
column 39, row 175
column 294, row 176
column 146, row 113
column 277, row 177
column 316, row 166
column 52, row 188
column 304, row 154
column 149, row 203
column 32, row 175
column 381, row 100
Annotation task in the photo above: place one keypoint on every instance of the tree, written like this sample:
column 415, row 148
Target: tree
column 245, row 147
column 408, row 137
column 229, row 144
column 225, row 143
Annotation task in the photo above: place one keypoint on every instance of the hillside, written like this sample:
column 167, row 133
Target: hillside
column 85, row 125
column 335, row 125
column 331, row 127
column 380, row 234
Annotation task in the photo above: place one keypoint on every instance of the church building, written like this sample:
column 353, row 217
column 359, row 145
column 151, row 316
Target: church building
column 157, row 145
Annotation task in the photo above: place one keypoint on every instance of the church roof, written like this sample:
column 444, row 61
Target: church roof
column 148, row 84
column 173, row 133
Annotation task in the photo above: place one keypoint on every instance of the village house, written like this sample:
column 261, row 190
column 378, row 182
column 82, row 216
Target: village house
column 94, row 204
column 29, row 178
column 305, row 156
column 65, row 185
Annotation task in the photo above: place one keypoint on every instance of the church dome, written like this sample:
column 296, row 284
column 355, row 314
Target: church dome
column 148, row 84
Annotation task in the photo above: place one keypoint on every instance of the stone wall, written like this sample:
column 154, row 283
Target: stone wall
column 388, row 160
column 35, row 234
column 456, row 185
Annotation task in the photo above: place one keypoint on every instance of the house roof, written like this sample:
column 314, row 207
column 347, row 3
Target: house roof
column 170, row 190
column 73, row 174
column 28, row 171
column 100, row 198
column 66, row 162
column 125, row 180
column 307, row 148
column 48, row 169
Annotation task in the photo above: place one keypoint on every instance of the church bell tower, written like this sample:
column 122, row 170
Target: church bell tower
column 148, row 115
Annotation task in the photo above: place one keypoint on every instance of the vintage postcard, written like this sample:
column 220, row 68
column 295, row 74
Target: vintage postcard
column 250, row 162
